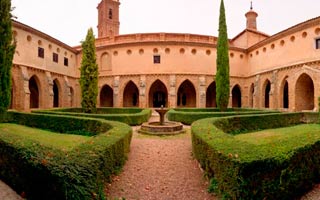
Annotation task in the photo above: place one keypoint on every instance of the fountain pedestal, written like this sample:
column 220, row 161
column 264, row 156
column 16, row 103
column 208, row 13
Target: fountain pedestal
column 161, row 127
column 162, row 112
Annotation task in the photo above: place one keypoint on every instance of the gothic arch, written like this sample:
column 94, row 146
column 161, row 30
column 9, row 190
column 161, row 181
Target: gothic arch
column 34, row 88
column 266, row 88
column 131, row 95
column 56, row 93
column 106, row 96
column 211, row 95
column 284, row 93
column 304, row 93
column 158, row 94
column 187, row 95
column 236, row 96
column 251, row 95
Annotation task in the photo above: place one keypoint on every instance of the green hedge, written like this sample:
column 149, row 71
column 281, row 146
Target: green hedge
column 242, row 170
column 43, row 172
column 190, row 115
column 131, row 116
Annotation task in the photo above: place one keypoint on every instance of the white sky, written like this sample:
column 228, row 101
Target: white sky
column 69, row 20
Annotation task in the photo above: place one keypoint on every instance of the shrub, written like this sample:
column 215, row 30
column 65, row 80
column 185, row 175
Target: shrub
column 49, row 173
column 131, row 116
column 188, row 116
column 284, row 169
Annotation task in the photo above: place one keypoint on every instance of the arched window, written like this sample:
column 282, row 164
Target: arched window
column 110, row 13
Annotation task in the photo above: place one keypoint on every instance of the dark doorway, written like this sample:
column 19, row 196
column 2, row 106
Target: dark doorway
column 304, row 93
column 286, row 95
column 34, row 93
column 55, row 94
column 106, row 96
column 131, row 95
column 267, row 95
column 186, row 95
column 236, row 97
column 158, row 95
column 211, row 95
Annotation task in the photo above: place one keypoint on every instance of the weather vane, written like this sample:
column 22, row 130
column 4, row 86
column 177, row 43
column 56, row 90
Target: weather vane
column 251, row 7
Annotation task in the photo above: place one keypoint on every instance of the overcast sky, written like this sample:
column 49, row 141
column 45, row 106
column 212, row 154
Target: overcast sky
column 69, row 20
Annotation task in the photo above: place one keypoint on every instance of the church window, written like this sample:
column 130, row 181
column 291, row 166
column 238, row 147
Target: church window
column 110, row 13
column 55, row 57
column 156, row 59
column 40, row 52
column 66, row 62
column 318, row 43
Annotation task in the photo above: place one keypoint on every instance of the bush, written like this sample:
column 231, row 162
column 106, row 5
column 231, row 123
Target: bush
column 43, row 172
column 244, row 170
column 190, row 115
column 131, row 116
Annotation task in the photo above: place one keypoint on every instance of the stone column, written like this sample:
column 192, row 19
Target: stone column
column 202, row 98
column 256, row 93
column 25, row 103
column 47, row 101
column 66, row 93
column 172, row 92
column 142, row 92
column 273, row 92
column 116, row 83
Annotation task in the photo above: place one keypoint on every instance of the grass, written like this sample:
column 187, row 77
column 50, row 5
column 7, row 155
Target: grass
column 56, row 140
column 298, row 134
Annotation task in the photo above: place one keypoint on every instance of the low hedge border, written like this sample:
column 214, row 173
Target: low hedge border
column 239, row 170
column 131, row 116
column 189, row 115
column 43, row 172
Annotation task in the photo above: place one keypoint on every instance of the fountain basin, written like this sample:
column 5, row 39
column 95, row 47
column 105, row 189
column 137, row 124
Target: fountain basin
column 156, row 128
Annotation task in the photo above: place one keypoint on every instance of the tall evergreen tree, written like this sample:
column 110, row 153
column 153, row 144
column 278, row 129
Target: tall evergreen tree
column 89, row 74
column 222, row 76
column 7, row 49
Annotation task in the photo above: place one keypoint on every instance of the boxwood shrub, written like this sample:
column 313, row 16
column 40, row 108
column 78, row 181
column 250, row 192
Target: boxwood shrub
column 42, row 172
column 131, row 116
column 243, row 170
column 190, row 115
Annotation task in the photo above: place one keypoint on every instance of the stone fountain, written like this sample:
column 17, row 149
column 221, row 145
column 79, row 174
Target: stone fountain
column 162, row 127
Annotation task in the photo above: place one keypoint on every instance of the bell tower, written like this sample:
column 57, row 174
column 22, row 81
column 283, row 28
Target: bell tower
column 108, row 18
column 251, row 19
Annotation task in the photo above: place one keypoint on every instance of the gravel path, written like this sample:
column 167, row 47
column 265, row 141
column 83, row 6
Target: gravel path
column 160, row 168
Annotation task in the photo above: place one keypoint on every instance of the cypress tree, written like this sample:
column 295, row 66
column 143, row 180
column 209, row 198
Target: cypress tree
column 89, row 74
column 7, row 49
column 222, row 76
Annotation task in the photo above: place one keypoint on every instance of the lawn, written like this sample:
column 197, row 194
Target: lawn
column 47, row 138
column 283, row 138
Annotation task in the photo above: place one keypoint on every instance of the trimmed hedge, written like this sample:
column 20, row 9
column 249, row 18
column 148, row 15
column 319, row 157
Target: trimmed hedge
column 43, row 172
column 131, row 116
column 190, row 115
column 242, row 170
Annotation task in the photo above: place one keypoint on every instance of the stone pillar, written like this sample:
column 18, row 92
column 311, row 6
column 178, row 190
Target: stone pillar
column 25, row 103
column 202, row 98
column 256, row 93
column 273, row 92
column 142, row 92
column 116, row 83
column 66, row 93
column 47, row 101
column 172, row 92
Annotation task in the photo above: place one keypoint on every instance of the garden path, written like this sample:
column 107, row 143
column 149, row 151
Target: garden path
column 160, row 168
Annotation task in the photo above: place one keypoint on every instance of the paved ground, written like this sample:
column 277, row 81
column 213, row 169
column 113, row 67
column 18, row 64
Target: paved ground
column 6, row 193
